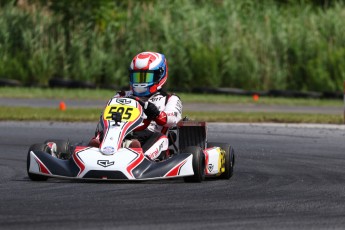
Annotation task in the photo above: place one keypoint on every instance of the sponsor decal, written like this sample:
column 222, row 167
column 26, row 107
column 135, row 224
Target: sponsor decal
column 105, row 163
column 154, row 153
column 210, row 167
column 123, row 101
column 171, row 114
column 108, row 150
column 155, row 99
column 178, row 106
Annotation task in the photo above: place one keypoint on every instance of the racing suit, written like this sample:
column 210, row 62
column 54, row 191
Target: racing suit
column 153, row 140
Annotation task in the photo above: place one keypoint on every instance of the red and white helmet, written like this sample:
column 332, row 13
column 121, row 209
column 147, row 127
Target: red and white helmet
column 147, row 73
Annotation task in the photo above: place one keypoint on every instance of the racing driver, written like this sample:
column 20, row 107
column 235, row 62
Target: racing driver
column 148, row 72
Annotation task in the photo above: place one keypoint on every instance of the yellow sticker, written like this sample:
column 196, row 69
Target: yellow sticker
column 129, row 113
column 221, row 161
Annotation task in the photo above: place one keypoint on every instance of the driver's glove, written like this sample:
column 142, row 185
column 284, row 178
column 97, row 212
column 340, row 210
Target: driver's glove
column 151, row 110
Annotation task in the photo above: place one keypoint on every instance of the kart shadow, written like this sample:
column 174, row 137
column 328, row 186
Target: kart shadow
column 90, row 181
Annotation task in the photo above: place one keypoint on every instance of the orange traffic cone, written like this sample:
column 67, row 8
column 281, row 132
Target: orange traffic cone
column 255, row 97
column 62, row 106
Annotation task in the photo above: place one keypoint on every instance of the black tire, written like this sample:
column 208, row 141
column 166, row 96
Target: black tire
column 9, row 82
column 82, row 85
column 36, row 147
column 62, row 148
column 198, row 164
column 59, row 83
column 229, row 159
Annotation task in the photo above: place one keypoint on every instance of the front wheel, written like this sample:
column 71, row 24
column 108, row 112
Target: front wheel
column 198, row 164
column 36, row 147
column 229, row 159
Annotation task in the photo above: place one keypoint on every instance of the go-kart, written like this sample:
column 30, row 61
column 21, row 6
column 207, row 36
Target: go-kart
column 189, row 155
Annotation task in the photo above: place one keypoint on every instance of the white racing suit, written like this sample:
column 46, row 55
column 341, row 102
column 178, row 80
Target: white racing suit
column 153, row 139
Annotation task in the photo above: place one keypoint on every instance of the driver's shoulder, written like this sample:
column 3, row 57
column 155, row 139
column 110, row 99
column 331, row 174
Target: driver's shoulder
column 166, row 97
column 166, row 94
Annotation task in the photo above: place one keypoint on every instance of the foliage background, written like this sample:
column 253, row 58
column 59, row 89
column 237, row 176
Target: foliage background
column 249, row 44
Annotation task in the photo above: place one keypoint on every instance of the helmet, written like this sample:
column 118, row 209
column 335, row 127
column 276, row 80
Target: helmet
column 147, row 73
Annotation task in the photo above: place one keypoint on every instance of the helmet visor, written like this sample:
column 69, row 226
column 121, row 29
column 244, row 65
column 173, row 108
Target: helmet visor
column 142, row 77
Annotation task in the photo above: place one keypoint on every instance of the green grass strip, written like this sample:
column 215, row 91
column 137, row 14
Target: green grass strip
column 92, row 115
column 103, row 94
column 48, row 114
column 265, row 117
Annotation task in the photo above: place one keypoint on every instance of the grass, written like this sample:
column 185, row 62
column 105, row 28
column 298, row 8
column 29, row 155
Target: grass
column 92, row 115
column 265, row 117
column 48, row 114
column 52, row 93
column 103, row 94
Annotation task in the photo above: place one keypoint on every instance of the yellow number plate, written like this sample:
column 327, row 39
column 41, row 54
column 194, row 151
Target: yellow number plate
column 129, row 113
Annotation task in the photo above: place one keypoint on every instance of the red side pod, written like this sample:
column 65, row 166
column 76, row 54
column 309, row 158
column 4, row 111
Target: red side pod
column 176, row 170
column 42, row 167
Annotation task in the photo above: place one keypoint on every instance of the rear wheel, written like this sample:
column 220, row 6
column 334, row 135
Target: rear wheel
column 229, row 158
column 198, row 164
column 36, row 147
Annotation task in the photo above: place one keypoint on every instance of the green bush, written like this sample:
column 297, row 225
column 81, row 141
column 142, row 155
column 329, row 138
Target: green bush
column 261, row 45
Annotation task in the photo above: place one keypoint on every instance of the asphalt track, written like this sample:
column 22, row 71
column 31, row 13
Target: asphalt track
column 286, row 177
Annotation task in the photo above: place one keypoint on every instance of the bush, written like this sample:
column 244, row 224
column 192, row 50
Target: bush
column 255, row 45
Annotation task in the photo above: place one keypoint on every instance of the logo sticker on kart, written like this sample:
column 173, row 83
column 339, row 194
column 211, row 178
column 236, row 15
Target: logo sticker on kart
column 210, row 167
column 108, row 150
column 123, row 101
column 105, row 163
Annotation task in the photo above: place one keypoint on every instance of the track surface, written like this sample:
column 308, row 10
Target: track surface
column 285, row 178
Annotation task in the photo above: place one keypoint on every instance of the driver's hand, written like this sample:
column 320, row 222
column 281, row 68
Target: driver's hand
column 151, row 110
column 121, row 93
